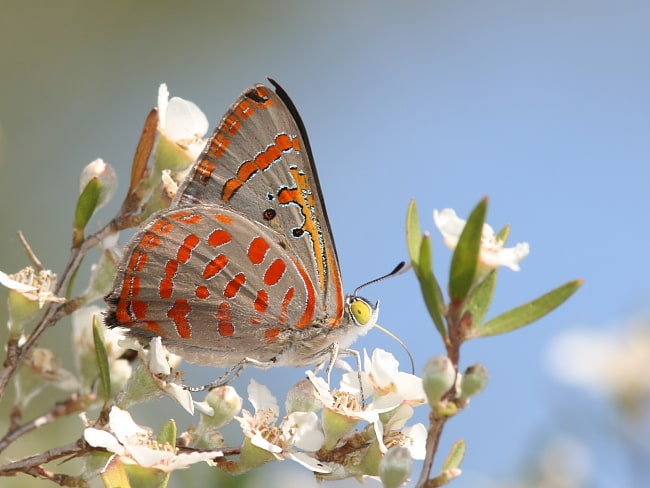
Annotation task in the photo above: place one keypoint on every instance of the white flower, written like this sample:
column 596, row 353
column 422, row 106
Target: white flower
column 381, row 376
column 181, row 121
column 606, row 362
column 33, row 286
column 492, row 254
column 348, row 405
column 135, row 445
column 299, row 430
column 417, row 438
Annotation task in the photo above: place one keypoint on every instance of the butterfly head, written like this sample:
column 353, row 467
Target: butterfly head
column 363, row 313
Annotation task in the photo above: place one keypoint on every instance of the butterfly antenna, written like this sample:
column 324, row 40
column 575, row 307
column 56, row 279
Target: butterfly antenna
column 400, row 342
column 399, row 269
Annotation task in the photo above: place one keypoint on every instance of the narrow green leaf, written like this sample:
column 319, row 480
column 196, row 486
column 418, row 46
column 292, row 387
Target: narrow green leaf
column 430, row 288
column 114, row 474
column 102, row 357
column 465, row 259
column 481, row 298
column 168, row 433
column 529, row 312
column 87, row 203
column 503, row 234
column 413, row 233
column 456, row 456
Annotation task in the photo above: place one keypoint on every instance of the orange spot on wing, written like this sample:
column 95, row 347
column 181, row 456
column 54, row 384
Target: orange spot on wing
column 187, row 217
column 204, row 171
column 162, row 226
column 153, row 326
column 138, row 261
column 189, row 244
column 284, row 142
column 262, row 301
column 219, row 237
column 224, row 219
column 224, row 316
column 215, row 266
column 275, row 272
column 266, row 158
column 178, row 313
column 139, row 309
column 244, row 109
column 122, row 313
column 234, row 285
column 218, row 146
column 167, row 283
column 257, row 250
column 232, row 124
column 247, row 170
column 150, row 240
column 202, row 292
column 230, row 188
column 288, row 195
column 271, row 334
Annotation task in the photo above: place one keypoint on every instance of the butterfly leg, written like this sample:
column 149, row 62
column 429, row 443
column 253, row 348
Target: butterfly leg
column 232, row 374
column 355, row 353
column 223, row 380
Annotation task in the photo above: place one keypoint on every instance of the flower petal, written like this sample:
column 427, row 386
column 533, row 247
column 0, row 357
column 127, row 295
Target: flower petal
column 308, row 462
column 261, row 397
column 101, row 438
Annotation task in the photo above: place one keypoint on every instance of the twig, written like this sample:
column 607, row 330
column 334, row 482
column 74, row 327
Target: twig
column 16, row 353
column 72, row 405
column 30, row 252
column 33, row 464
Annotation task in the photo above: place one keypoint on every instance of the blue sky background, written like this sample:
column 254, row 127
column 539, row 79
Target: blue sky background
column 543, row 106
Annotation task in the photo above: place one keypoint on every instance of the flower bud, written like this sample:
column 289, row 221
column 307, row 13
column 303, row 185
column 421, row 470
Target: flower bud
column 225, row 404
column 302, row 398
column 395, row 468
column 438, row 377
column 474, row 381
column 107, row 180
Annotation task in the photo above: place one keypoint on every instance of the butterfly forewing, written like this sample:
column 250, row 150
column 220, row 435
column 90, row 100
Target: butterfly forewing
column 258, row 163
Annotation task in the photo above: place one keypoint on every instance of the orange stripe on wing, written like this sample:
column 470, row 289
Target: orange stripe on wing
column 310, row 305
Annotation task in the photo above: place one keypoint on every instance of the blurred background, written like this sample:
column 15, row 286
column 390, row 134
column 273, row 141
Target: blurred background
column 543, row 106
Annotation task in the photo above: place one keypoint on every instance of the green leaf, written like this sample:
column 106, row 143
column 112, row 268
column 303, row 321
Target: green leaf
column 413, row 233
column 86, row 205
column 529, row 312
column 167, row 434
column 430, row 288
column 465, row 259
column 102, row 357
column 481, row 298
column 456, row 455
column 503, row 234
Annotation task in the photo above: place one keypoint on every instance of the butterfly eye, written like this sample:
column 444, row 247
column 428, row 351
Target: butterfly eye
column 361, row 310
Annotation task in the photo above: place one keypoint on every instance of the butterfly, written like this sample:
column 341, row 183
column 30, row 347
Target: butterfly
column 242, row 267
